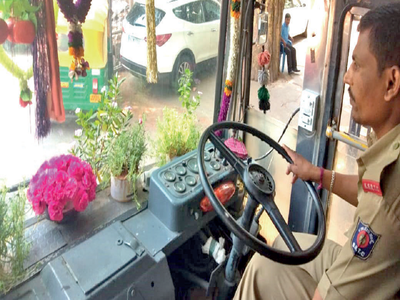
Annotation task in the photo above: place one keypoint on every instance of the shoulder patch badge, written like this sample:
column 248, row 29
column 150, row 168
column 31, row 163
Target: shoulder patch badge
column 371, row 186
column 364, row 240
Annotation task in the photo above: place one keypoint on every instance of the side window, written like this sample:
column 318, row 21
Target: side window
column 192, row 12
column 137, row 15
column 211, row 10
column 195, row 12
column 180, row 12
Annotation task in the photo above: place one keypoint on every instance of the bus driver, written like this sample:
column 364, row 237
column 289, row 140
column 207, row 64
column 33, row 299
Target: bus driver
column 368, row 265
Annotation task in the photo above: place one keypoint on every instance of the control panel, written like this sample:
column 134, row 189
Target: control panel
column 176, row 191
column 308, row 110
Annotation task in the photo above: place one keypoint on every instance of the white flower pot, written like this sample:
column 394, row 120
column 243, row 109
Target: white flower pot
column 121, row 189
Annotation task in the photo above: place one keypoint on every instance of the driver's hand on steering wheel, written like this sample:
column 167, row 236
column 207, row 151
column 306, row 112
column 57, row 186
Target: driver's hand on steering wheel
column 301, row 168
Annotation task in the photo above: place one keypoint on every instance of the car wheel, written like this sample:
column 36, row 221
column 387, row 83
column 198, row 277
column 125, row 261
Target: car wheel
column 183, row 62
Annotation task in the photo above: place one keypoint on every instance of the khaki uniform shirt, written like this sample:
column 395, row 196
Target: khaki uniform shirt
column 368, row 266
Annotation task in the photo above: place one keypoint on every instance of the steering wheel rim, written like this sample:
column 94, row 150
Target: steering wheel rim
column 295, row 257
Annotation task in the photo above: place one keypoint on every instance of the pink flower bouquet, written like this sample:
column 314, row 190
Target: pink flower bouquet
column 60, row 182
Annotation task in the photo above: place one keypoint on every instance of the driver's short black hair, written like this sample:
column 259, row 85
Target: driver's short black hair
column 287, row 16
column 384, row 36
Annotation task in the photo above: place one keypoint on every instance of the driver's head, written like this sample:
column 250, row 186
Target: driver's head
column 374, row 75
column 383, row 26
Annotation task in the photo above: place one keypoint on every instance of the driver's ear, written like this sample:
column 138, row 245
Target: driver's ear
column 392, row 83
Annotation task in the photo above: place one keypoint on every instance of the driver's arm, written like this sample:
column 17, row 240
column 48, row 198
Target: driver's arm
column 345, row 186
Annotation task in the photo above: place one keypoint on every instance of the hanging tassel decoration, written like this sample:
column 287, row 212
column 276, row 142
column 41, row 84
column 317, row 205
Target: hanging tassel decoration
column 262, row 77
column 263, row 99
column 41, row 72
column 151, row 72
column 263, row 58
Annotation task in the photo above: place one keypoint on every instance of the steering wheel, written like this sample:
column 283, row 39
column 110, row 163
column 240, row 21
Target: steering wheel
column 261, row 187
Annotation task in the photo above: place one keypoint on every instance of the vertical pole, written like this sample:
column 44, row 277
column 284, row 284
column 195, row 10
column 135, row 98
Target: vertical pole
column 220, row 59
column 110, row 56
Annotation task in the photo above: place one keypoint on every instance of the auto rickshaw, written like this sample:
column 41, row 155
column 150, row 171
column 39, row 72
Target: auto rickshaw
column 85, row 92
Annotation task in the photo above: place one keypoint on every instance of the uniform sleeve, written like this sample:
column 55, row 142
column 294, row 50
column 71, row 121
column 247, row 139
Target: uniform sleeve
column 370, row 258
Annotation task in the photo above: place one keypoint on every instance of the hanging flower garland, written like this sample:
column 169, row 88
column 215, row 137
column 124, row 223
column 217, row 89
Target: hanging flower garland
column 25, row 95
column 76, row 13
column 232, row 61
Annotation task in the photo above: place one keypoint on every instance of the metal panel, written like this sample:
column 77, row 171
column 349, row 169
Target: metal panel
column 32, row 290
column 44, row 238
column 320, row 63
column 179, row 209
column 96, row 259
column 153, row 234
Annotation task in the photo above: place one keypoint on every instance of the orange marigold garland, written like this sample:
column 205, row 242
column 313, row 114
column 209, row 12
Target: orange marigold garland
column 232, row 62
column 235, row 9
column 228, row 87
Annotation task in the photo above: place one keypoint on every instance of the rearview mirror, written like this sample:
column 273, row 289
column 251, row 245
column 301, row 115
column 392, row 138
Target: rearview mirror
column 262, row 32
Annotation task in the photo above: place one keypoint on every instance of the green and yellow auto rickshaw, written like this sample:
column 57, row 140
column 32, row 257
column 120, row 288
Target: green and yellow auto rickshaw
column 85, row 92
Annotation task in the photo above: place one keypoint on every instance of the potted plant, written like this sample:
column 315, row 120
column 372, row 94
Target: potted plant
column 177, row 133
column 124, row 158
column 14, row 249
column 62, row 186
column 99, row 128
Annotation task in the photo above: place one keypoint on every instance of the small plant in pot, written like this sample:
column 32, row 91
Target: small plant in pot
column 99, row 128
column 178, row 133
column 126, row 153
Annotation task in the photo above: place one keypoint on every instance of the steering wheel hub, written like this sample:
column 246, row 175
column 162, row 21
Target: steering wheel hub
column 259, row 180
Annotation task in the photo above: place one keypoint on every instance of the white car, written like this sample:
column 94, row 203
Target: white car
column 187, row 33
column 299, row 11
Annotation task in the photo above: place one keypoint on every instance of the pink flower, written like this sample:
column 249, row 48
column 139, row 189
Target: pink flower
column 81, row 202
column 55, row 211
column 38, row 207
column 59, row 180
column 59, row 194
column 75, row 170
column 70, row 188
column 92, row 192
column 87, row 181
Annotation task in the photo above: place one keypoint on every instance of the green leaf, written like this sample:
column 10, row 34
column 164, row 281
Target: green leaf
column 30, row 8
column 33, row 19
